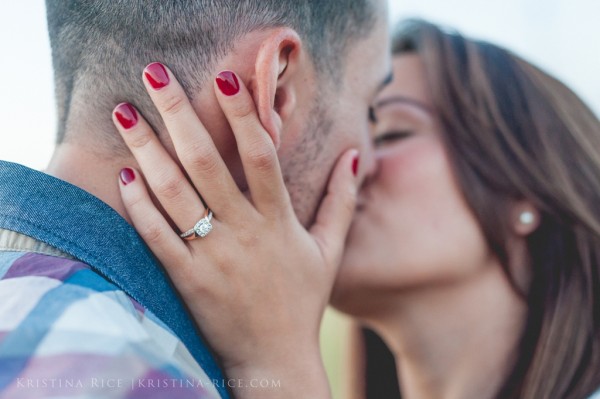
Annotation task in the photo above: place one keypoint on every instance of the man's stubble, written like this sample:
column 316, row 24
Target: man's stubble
column 308, row 166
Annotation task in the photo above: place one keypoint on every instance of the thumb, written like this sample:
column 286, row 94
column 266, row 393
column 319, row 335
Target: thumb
column 337, row 209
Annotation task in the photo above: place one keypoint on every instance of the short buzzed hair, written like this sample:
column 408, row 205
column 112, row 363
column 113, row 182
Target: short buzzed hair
column 100, row 47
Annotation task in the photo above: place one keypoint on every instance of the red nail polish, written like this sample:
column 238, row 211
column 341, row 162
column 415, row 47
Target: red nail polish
column 127, row 175
column 126, row 115
column 228, row 83
column 355, row 165
column 157, row 75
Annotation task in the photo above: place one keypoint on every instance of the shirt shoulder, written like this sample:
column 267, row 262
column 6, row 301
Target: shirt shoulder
column 67, row 331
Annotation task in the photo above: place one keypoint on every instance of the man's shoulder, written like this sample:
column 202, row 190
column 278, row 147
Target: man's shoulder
column 60, row 318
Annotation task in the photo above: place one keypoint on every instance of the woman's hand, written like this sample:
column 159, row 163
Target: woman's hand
column 259, row 282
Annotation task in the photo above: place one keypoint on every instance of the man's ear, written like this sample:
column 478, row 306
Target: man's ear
column 278, row 72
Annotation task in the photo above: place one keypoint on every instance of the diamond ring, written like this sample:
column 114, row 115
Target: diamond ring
column 201, row 229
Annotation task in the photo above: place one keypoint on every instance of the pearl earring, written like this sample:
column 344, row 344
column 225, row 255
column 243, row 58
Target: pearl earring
column 526, row 218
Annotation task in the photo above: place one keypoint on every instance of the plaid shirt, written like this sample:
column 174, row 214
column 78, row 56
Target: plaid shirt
column 65, row 331
column 85, row 309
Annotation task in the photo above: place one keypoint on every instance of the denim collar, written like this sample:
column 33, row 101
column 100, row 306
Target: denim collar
column 78, row 223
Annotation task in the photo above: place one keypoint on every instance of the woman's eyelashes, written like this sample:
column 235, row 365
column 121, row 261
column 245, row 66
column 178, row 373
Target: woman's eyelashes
column 372, row 115
column 390, row 137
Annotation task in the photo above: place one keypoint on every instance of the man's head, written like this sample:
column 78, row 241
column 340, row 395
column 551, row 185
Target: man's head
column 313, row 68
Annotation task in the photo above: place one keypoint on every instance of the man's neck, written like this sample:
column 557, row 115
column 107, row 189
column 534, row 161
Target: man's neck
column 91, row 172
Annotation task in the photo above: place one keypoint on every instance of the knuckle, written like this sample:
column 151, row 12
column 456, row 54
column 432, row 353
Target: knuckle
column 172, row 104
column 221, row 259
column 204, row 161
column 171, row 187
column 248, row 239
column 152, row 234
column 243, row 111
column 139, row 139
column 195, row 287
column 262, row 158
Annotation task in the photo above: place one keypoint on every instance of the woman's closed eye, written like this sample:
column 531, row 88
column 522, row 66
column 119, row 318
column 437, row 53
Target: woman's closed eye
column 391, row 137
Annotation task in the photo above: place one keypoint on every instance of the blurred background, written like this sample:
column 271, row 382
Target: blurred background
column 562, row 36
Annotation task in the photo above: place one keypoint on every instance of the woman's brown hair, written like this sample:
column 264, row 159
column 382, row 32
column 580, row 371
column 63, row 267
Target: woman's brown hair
column 513, row 132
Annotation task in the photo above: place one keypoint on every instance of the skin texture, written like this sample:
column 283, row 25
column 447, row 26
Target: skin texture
column 417, row 268
column 249, row 307
column 314, row 123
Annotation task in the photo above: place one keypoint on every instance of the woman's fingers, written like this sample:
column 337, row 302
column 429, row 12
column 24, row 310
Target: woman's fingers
column 194, row 146
column 149, row 222
column 164, row 176
column 337, row 209
column 256, row 148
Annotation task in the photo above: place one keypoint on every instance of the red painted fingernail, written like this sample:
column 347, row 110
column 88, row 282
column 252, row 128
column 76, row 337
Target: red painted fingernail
column 127, row 175
column 355, row 165
column 228, row 83
column 157, row 75
column 126, row 115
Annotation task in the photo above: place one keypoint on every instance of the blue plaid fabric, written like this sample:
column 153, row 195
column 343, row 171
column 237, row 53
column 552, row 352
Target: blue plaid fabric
column 67, row 332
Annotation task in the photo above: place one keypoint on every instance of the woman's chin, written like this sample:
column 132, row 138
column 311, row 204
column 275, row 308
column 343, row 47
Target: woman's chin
column 347, row 302
column 353, row 289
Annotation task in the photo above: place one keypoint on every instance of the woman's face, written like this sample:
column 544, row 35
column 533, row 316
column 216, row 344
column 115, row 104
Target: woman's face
column 413, row 229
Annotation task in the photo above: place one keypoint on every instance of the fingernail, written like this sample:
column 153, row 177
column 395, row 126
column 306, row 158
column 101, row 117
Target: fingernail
column 127, row 175
column 228, row 83
column 157, row 75
column 126, row 115
column 355, row 162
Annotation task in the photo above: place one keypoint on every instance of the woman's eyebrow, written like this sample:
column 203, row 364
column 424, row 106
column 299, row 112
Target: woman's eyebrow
column 404, row 100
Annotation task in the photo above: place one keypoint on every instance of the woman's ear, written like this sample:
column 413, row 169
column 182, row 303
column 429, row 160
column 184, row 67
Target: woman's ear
column 525, row 218
column 276, row 82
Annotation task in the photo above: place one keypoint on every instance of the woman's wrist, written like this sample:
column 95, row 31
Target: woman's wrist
column 298, row 374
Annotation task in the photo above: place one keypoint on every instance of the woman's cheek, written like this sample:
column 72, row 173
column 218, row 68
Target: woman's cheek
column 431, row 226
column 415, row 168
